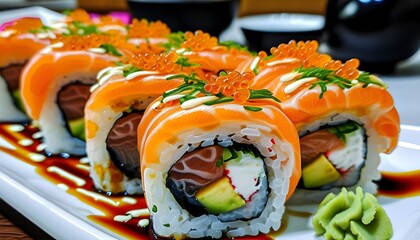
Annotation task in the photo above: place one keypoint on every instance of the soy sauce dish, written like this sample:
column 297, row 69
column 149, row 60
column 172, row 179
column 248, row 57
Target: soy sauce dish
column 264, row 31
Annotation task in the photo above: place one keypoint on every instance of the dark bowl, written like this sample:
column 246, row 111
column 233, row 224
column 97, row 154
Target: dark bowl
column 212, row 16
column 379, row 33
column 264, row 31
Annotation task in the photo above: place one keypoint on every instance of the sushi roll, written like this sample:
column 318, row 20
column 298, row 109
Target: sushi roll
column 18, row 43
column 217, row 161
column 114, row 110
column 55, row 85
column 111, row 149
column 345, row 117
column 205, row 50
column 24, row 38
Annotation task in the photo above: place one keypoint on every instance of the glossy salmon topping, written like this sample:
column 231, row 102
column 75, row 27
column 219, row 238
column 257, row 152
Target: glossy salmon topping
column 25, row 25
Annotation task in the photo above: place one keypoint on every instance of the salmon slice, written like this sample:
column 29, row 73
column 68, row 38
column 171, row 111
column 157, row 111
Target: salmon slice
column 159, row 128
column 317, row 142
column 118, row 96
column 36, row 84
column 304, row 101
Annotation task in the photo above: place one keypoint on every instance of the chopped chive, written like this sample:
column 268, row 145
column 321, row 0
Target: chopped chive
column 130, row 70
column 109, row 48
column 154, row 208
column 166, row 225
column 253, row 109
column 328, row 76
column 85, row 29
column 184, row 62
column 217, row 101
column 219, row 163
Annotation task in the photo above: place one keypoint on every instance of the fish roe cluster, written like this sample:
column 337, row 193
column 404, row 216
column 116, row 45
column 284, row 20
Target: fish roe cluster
column 25, row 25
column 307, row 53
column 262, row 63
column 76, row 42
column 109, row 20
column 146, row 29
column 199, row 41
column 164, row 62
column 349, row 69
column 79, row 15
column 232, row 84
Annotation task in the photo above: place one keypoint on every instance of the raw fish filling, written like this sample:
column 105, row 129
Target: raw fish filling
column 333, row 156
column 11, row 74
column 122, row 144
column 229, row 182
column 72, row 99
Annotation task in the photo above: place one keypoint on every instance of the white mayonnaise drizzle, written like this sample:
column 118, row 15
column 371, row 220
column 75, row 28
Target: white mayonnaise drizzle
column 140, row 73
column 7, row 33
column 254, row 63
column 143, row 223
column 78, row 181
column 122, row 218
column 41, row 147
column 16, row 128
column 25, row 142
column 282, row 61
column 290, row 76
column 37, row 135
column 129, row 200
column 97, row 50
column 97, row 197
column 63, row 187
column 197, row 102
column 143, row 212
column 83, row 167
column 295, row 85
column 36, row 157
column 84, row 160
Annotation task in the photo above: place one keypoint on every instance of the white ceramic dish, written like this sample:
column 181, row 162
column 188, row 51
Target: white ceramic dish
column 264, row 31
column 283, row 22
column 47, row 16
column 64, row 216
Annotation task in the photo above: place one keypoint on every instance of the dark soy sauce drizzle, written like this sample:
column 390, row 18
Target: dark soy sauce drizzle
column 392, row 184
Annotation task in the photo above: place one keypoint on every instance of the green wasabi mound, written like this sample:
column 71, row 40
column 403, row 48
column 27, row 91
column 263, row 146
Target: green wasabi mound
column 352, row 216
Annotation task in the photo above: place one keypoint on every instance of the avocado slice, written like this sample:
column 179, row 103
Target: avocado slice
column 77, row 128
column 18, row 100
column 219, row 197
column 319, row 173
column 344, row 129
column 227, row 154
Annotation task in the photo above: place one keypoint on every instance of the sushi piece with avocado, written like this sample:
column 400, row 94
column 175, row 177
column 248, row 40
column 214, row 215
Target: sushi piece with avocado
column 333, row 156
column 219, row 170
column 226, row 192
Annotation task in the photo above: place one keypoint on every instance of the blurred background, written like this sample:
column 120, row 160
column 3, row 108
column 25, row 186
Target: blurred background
column 381, row 33
column 247, row 7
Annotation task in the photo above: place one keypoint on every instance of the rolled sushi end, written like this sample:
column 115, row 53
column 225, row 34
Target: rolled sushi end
column 220, row 181
column 350, row 215
column 240, row 164
column 333, row 156
column 220, row 197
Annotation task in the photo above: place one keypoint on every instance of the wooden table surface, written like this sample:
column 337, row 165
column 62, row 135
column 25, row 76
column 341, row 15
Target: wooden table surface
column 14, row 225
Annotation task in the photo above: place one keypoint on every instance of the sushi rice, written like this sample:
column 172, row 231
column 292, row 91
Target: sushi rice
column 233, row 224
column 361, row 155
